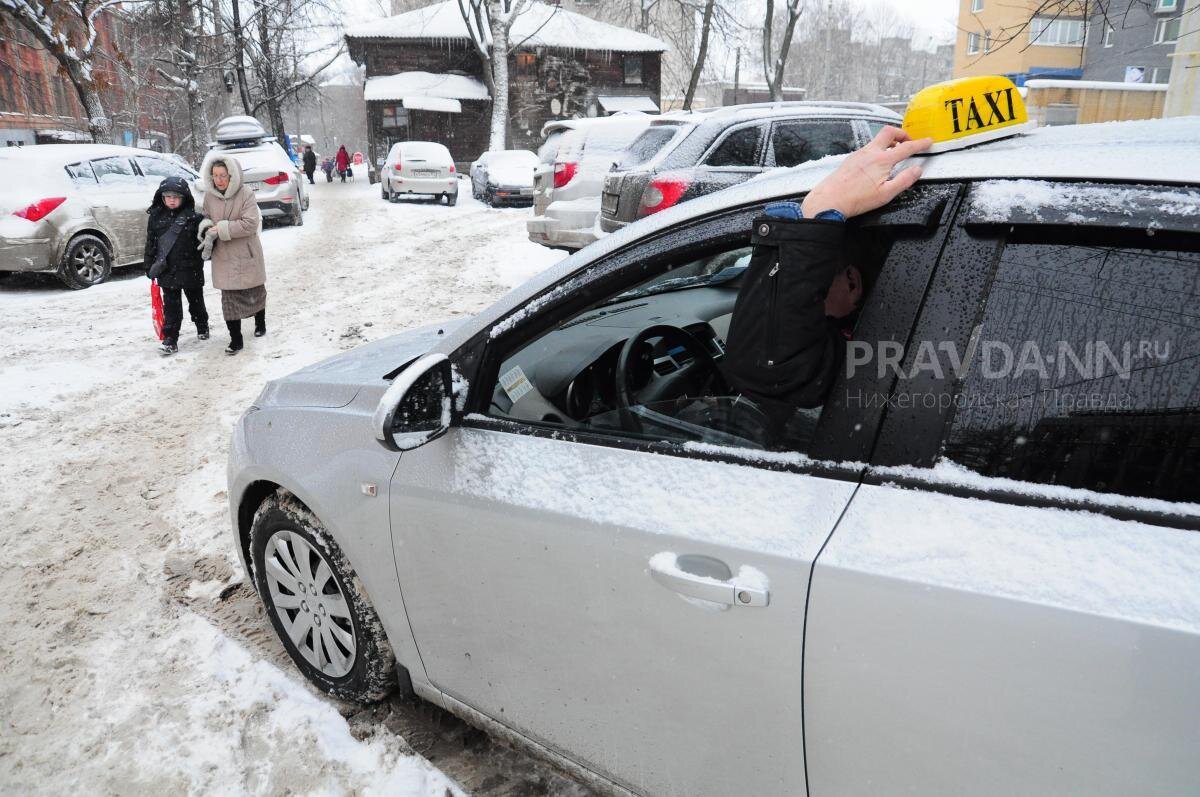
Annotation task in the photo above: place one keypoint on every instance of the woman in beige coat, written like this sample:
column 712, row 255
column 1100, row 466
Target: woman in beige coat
column 230, row 236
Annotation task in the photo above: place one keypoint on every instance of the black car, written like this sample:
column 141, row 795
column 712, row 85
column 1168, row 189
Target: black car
column 684, row 156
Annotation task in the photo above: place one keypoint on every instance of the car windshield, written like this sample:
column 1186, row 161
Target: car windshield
column 714, row 270
column 425, row 151
column 647, row 145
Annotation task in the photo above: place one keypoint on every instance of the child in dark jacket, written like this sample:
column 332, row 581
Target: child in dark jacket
column 184, row 272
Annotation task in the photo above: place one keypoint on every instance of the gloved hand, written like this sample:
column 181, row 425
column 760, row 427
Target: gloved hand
column 207, row 236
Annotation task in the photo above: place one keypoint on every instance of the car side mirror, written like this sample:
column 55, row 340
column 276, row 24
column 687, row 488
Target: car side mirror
column 417, row 407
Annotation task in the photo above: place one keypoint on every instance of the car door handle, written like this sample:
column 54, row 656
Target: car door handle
column 679, row 574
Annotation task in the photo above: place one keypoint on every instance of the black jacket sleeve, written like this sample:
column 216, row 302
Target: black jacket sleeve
column 781, row 346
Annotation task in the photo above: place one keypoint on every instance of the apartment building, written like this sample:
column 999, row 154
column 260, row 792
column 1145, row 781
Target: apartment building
column 1011, row 37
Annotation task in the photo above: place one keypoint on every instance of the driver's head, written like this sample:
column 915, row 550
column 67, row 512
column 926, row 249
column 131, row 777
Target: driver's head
column 845, row 292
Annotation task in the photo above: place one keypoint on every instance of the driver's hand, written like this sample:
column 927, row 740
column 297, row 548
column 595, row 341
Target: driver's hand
column 864, row 179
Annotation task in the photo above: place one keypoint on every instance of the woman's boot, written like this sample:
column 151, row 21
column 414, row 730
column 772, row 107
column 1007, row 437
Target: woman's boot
column 260, row 323
column 235, row 337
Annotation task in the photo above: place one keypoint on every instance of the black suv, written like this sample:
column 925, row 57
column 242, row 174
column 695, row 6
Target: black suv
column 683, row 156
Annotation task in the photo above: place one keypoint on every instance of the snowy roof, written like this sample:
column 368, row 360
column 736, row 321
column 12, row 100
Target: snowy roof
column 540, row 25
column 639, row 103
column 424, row 84
column 1146, row 151
column 1110, row 85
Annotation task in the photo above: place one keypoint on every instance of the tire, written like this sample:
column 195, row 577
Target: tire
column 384, row 192
column 489, row 199
column 452, row 199
column 87, row 261
column 297, row 219
column 349, row 657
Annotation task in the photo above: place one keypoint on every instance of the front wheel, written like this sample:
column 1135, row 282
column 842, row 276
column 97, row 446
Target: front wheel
column 86, row 262
column 316, row 603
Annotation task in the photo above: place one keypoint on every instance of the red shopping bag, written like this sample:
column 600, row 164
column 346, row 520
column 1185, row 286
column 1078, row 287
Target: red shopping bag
column 156, row 308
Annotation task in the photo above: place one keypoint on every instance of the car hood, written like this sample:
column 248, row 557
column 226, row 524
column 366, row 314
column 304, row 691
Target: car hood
column 335, row 382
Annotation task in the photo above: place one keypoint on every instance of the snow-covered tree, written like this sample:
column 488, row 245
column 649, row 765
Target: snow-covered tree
column 488, row 24
column 67, row 29
column 775, row 61
column 186, row 74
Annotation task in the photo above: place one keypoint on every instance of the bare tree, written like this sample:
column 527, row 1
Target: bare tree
column 67, row 29
column 701, row 55
column 489, row 23
column 186, row 73
column 774, row 64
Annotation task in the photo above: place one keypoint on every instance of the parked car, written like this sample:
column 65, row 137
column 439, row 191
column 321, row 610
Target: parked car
column 79, row 210
column 419, row 167
column 689, row 155
column 568, row 181
column 970, row 579
column 277, row 182
column 504, row 177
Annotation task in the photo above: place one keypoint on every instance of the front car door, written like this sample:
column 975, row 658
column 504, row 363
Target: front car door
column 562, row 568
column 1010, row 603
column 119, row 203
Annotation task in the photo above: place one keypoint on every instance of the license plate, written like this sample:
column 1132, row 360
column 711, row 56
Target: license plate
column 426, row 172
column 609, row 202
column 255, row 186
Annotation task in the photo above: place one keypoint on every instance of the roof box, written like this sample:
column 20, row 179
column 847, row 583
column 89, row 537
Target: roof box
column 239, row 128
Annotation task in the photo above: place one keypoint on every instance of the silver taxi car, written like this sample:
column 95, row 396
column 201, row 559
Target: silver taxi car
column 977, row 575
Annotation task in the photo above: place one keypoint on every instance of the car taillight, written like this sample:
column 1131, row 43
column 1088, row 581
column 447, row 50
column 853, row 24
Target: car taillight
column 661, row 194
column 396, row 166
column 452, row 168
column 278, row 179
column 564, row 173
column 40, row 209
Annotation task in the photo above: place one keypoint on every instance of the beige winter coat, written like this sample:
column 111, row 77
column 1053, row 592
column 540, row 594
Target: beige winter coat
column 237, row 256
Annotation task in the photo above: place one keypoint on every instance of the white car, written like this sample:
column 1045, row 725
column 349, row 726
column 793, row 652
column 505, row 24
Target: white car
column 78, row 210
column 570, row 179
column 277, row 182
column 419, row 167
column 504, row 177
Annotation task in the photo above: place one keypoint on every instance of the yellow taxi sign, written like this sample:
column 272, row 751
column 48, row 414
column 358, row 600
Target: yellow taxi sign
column 970, row 110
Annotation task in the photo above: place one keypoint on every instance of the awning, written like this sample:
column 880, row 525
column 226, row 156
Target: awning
column 405, row 85
column 422, row 103
column 639, row 103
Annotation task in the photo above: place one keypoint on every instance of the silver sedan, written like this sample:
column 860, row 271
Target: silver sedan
column 555, row 520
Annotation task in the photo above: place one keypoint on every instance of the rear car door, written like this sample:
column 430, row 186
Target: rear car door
column 734, row 158
column 119, row 203
column 555, row 574
column 1010, row 603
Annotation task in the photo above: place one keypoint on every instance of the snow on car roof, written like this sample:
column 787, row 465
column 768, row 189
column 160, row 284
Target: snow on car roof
column 70, row 153
column 1145, row 151
column 540, row 25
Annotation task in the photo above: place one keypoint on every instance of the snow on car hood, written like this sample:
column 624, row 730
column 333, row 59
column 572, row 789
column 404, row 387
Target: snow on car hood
column 335, row 382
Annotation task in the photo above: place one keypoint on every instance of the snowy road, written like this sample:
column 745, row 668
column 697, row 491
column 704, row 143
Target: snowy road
column 134, row 657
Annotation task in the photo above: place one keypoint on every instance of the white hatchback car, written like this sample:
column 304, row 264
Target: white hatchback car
column 79, row 210
column 419, row 167
column 276, row 181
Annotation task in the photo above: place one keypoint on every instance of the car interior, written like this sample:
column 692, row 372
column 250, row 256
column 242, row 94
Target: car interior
column 645, row 362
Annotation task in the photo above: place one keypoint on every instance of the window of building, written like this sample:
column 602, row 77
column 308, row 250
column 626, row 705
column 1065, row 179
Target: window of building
column 633, row 69
column 1135, row 74
column 973, row 43
column 1167, row 5
column 526, row 62
column 1050, row 32
column 1109, row 35
column 1084, row 375
column 394, row 116
column 1160, row 74
column 62, row 103
column 976, row 6
column 8, row 89
column 987, row 42
column 1166, row 31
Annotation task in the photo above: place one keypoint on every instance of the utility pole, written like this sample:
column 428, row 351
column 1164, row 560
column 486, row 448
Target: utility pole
column 827, row 89
column 737, row 75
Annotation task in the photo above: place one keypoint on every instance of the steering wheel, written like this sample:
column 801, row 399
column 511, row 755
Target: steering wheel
column 702, row 363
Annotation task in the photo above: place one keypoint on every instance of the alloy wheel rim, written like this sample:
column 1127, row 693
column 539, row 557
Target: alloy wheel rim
column 89, row 262
column 310, row 603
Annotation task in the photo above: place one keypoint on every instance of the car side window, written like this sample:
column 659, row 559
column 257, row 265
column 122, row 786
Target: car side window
column 1083, row 371
column 739, row 148
column 796, row 142
column 158, row 167
column 81, row 172
column 114, row 171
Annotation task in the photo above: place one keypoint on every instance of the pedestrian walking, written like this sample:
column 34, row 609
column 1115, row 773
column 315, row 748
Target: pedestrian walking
column 343, row 162
column 229, row 235
column 310, row 162
column 172, row 259
column 327, row 167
